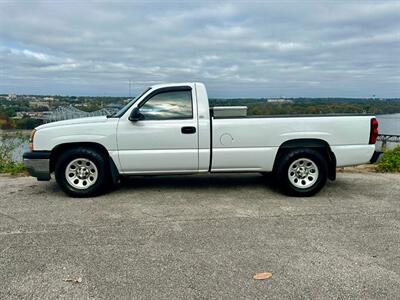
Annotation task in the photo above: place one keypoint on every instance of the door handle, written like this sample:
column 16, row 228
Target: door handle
column 188, row 130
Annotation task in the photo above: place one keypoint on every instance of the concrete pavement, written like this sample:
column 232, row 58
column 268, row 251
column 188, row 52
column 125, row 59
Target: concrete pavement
column 201, row 237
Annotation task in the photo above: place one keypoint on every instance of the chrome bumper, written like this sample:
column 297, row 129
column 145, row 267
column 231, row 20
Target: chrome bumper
column 37, row 163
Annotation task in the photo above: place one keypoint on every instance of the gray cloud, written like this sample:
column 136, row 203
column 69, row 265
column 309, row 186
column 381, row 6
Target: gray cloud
column 249, row 48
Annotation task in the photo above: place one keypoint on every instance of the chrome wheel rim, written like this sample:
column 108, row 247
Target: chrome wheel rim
column 81, row 173
column 303, row 173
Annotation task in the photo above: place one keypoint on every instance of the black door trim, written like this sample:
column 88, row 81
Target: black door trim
column 188, row 129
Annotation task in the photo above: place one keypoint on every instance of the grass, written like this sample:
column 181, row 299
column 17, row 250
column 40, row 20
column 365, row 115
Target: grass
column 390, row 161
column 12, row 167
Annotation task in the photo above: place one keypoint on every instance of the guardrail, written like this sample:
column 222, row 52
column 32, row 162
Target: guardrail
column 388, row 138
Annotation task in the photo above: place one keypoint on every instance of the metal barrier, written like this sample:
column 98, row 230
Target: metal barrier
column 388, row 138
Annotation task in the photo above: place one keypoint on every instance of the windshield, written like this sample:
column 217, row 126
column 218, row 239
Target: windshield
column 123, row 110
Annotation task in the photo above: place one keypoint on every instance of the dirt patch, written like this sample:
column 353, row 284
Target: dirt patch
column 358, row 169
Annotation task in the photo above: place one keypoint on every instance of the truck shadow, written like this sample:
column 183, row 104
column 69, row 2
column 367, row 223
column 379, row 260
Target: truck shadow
column 201, row 181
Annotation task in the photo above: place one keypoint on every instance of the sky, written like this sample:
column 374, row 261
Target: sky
column 237, row 48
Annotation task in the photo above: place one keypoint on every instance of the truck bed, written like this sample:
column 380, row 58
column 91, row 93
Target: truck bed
column 256, row 139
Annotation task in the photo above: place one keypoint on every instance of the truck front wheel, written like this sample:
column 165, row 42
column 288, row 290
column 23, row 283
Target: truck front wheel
column 302, row 172
column 82, row 172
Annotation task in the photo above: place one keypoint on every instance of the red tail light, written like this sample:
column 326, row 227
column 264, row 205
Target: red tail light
column 374, row 131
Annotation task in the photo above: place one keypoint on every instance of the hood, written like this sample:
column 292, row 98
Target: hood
column 89, row 120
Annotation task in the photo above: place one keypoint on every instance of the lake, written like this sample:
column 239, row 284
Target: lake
column 18, row 140
column 388, row 124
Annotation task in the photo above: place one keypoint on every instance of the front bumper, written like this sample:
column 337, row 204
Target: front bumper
column 37, row 163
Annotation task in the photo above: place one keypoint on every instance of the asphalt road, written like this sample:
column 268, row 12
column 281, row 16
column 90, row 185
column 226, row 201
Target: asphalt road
column 201, row 237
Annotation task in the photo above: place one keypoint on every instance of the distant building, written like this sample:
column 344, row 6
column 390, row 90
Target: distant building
column 36, row 104
column 12, row 96
column 279, row 101
column 82, row 104
column 20, row 114
column 48, row 99
column 34, row 115
column 114, row 106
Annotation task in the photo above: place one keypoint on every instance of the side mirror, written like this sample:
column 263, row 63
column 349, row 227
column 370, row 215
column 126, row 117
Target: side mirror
column 136, row 115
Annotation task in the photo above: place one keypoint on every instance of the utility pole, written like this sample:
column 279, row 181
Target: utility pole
column 130, row 82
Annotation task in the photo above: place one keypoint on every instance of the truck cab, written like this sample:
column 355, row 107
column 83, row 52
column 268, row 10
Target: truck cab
column 166, row 132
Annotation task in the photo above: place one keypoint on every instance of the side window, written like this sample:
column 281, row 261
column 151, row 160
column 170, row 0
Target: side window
column 168, row 106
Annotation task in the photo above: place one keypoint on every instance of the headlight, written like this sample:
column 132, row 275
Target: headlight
column 31, row 139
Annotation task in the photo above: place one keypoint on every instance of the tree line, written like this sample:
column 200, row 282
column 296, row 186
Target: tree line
column 317, row 106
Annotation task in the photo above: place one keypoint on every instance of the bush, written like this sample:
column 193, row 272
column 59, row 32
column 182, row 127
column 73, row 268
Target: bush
column 27, row 123
column 390, row 161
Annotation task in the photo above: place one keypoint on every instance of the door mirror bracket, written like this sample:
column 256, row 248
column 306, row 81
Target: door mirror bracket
column 136, row 115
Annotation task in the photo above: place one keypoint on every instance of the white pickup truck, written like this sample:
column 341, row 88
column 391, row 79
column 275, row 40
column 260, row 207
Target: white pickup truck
column 170, row 129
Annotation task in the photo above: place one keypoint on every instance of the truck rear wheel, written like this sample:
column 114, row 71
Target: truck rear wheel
column 302, row 172
column 82, row 172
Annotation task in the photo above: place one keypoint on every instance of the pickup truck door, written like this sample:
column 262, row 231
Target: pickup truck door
column 165, row 140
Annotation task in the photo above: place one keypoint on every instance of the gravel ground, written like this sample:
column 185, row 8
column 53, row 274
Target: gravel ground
column 201, row 237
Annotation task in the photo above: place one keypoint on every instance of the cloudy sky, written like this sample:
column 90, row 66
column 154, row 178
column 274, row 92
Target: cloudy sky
column 238, row 48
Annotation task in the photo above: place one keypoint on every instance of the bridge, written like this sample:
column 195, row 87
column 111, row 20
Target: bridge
column 71, row 112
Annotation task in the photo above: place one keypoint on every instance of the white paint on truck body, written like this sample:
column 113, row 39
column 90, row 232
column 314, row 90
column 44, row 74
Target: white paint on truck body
column 230, row 144
column 255, row 141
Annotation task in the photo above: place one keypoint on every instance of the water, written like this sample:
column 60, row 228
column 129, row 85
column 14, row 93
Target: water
column 17, row 141
column 388, row 124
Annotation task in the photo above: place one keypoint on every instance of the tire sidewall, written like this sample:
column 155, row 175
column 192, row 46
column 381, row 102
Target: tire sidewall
column 101, row 165
column 283, row 168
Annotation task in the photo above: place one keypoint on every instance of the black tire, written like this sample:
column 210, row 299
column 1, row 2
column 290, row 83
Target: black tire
column 92, row 157
column 286, row 180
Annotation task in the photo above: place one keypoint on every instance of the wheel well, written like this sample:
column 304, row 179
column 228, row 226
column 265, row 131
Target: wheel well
column 55, row 153
column 316, row 144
